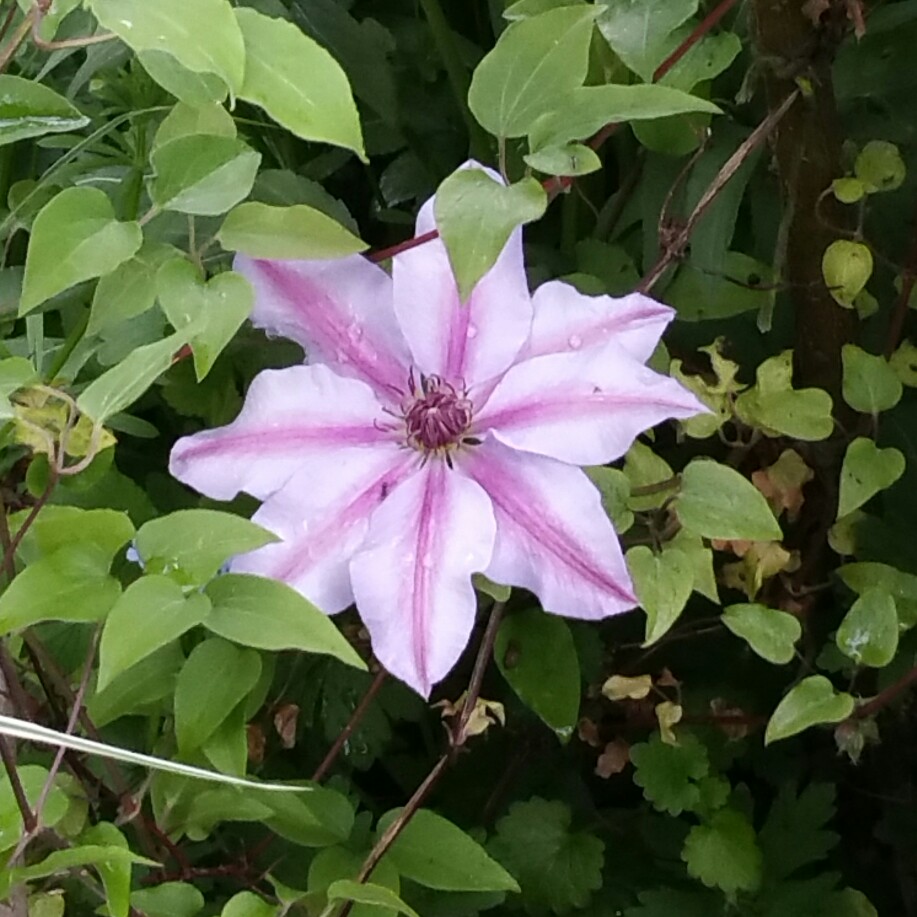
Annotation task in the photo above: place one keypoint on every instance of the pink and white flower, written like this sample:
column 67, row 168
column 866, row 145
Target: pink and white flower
column 427, row 440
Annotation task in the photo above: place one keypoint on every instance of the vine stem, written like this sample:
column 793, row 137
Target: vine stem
column 457, row 738
column 355, row 719
column 884, row 698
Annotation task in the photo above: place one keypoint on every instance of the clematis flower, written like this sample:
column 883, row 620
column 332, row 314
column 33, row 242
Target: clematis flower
column 427, row 440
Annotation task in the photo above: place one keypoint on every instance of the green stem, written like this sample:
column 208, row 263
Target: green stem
column 69, row 345
column 459, row 78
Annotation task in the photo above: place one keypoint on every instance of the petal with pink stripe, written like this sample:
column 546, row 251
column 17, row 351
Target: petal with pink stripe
column 471, row 342
column 412, row 578
column 288, row 415
column 322, row 516
column 553, row 536
column 585, row 408
column 567, row 320
column 340, row 311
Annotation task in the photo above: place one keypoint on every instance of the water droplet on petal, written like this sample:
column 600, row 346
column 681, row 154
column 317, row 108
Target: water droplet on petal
column 575, row 341
column 472, row 331
column 355, row 333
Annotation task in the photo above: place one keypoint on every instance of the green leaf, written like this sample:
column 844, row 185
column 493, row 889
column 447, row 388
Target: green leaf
column 901, row 586
column 433, row 852
column 637, row 30
column 85, row 855
column 879, row 166
column 195, row 543
column 585, row 110
column 535, row 62
column 187, row 120
column 152, row 612
column 772, row 634
column 335, row 863
column 216, row 677
column 114, row 870
column 62, row 527
column 536, row 655
column 30, row 109
column 367, row 893
column 846, row 267
column 270, row 615
column 192, row 88
column 210, row 311
column 475, row 216
column 123, row 384
column 130, row 289
column 567, row 159
column 723, row 853
column 867, row 469
column 75, row 237
column 663, row 583
column 870, row 384
column 70, row 585
column 848, row 190
column 297, row 82
column 32, row 777
column 248, row 904
column 794, row 832
column 869, row 632
column 671, row 774
column 320, row 818
column 281, row 233
column 774, row 406
column 557, row 868
column 202, row 36
column 717, row 502
column 614, row 486
column 811, row 702
column 170, row 899
column 202, row 174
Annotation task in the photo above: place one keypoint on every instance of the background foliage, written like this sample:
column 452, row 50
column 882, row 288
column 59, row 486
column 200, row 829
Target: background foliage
column 743, row 745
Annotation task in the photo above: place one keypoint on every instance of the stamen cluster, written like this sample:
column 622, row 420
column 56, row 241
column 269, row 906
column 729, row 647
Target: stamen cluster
column 435, row 415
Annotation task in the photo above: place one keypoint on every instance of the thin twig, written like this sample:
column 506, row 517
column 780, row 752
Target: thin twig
column 9, row 764
column 10, row 551
column 884, row 698
column 676, row 245
column 355, row 719
column 19, row 36
column 703, row 27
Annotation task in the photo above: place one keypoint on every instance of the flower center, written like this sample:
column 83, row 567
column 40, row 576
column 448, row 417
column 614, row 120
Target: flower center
column 436, row 416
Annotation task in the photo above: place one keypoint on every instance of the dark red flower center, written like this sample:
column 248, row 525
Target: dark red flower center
column 436, row 415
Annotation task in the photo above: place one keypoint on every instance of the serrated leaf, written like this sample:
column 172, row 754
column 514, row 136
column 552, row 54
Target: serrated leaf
column 476, row 214
column 717, row 502
column 723, row 853
column 810, row 703
column 670, row 774
column 772, row 634
column 211, row 312
column 297, row 82
column 151, row 612
column 31, row 109
column 794, row 834
column 866, row 471
column 870, row 384
column 846, row 267
column 214, row 679
column 558, row 868
column 869, row 632
column 74, row 238
column 202, row 174
column 202, row 36
column 435, row 853
column 663, row 583
column 534, row 63
column 267, row 614
column 536, row 655
column 282, row 233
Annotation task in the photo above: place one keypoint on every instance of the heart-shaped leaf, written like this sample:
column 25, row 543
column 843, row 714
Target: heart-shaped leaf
column 663, row 583
column 811, row 702
column 867, row 469
column 870, row 383
column 869, row 632
column 772, row 634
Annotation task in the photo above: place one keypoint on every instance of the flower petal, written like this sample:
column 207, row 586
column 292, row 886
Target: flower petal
column 322, row 515
column 412, row 578
column 566, row 320
column 288, row 415
column 553, row 536
column 585, row 408
column 339, row 310
column 469, row 342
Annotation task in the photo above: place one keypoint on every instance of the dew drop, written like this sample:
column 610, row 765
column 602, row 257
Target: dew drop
column 355, row 333
column 472, row 331
column 575, row 341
